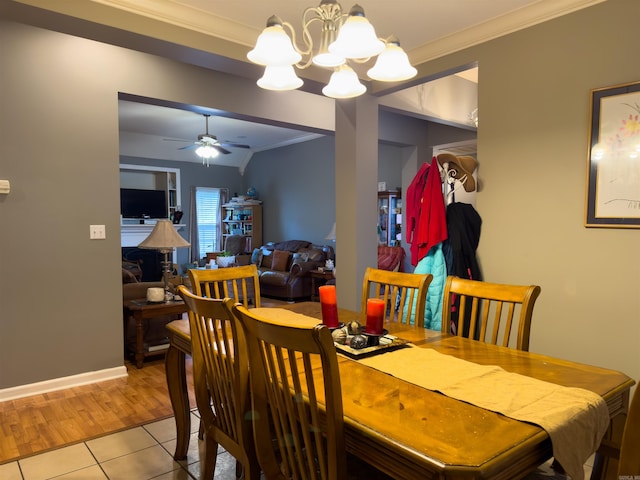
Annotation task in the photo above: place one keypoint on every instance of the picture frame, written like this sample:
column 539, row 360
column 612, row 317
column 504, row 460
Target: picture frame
column 613, row 162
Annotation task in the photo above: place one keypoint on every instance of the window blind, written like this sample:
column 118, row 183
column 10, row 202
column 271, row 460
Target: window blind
column 208, row 218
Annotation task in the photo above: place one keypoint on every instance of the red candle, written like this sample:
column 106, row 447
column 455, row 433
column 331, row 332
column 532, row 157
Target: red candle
column 375, row 315
column 329, row 305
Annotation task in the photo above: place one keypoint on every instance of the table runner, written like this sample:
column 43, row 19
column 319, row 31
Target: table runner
column 575, row 419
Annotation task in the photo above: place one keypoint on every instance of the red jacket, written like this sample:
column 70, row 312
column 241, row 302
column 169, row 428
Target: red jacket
column 426, row 215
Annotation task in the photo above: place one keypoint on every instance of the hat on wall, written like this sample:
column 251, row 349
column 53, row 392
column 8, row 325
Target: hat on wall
column 461, row 168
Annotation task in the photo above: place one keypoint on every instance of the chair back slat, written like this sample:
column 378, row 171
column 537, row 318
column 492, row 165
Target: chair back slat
column 221, row 380
column 495, row 310
column 296, row 395
column 405, row 294
column 238, row 283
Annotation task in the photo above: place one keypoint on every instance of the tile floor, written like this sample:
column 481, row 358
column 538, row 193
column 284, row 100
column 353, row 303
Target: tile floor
column 144, row 453
column 139, row 453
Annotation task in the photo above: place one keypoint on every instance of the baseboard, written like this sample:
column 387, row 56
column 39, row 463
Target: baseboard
column 61, row 383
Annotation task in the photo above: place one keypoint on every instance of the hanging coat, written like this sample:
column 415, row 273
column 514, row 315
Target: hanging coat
column 463, row 225
column 426, row 216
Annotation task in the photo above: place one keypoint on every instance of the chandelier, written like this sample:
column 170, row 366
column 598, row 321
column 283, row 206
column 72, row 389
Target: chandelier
column 343, row 37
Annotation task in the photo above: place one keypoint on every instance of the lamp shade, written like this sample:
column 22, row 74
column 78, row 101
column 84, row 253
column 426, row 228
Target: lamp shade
column 357, row 38
column 344, row 83
column 279, row 78
column 164, row 238
column 392, row 65
column 274, row 46
column 324, row 58
column 332, row 234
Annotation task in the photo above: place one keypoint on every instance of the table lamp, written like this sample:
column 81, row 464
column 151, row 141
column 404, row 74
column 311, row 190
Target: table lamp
column 164, row 238
column 332, row 234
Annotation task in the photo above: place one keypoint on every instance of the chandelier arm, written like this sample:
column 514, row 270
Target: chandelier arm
column 306, row 53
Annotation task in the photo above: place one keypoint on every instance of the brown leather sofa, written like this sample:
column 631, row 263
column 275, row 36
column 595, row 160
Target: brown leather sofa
column 283, row 267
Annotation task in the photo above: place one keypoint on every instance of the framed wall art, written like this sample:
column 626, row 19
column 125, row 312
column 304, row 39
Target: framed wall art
column 613, row 167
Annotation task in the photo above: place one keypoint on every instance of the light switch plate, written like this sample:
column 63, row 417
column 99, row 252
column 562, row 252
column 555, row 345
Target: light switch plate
column 97, row 232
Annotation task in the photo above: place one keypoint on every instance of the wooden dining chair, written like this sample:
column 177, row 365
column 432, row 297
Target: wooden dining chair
column 487, row 311
column 239, row 283
column 298, row 422
column 223, row 400
column 405, row 294
column 627, row 452
column 296, row 397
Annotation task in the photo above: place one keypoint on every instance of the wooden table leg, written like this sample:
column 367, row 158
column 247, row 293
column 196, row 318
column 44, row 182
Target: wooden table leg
column 314, row 295
column 177, row 382
column 139, row 355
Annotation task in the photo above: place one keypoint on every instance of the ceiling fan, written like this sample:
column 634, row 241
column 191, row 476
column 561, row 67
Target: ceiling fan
column 208, row 145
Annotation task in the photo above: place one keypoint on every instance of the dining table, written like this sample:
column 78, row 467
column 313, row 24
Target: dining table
column 409, row 431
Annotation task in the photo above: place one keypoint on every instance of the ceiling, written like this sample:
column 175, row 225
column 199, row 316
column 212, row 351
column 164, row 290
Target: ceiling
column 443, row 27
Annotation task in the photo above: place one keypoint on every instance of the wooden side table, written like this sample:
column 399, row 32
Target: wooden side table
column 141, row 310
column 318, row 278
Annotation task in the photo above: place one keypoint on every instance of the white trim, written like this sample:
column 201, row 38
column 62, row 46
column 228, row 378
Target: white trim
column 520, row 19
column 61, row 383
column 150, row 169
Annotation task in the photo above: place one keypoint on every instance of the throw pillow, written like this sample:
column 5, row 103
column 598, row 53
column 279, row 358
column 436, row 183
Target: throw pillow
column 255, row 256
column 267, row 258
column 280, row 260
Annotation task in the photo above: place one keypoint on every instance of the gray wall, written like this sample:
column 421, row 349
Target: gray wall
column 60, row 293
column 296, row 184
column 390, row 166
column 533, row 96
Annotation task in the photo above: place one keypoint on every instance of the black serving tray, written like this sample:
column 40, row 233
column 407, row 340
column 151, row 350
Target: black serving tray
column 387, row 343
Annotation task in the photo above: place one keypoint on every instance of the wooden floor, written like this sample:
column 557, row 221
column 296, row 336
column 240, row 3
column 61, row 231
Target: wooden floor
column 42, row 422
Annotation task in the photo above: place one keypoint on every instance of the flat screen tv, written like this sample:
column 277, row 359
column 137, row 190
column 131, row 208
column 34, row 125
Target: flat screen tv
column 135, row 203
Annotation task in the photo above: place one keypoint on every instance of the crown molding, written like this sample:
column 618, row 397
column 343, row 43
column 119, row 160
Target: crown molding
column 178, row 14
column 497, row 27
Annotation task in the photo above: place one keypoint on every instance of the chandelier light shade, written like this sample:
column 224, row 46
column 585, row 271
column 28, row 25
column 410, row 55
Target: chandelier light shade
column 323, row 57
column 282, row 77
column 343, row 37
column 274, row 46
column 392, row 64
column 344, row 83
column 357, row 37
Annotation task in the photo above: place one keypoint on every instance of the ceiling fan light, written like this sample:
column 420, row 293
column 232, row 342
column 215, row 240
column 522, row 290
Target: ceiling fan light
column 392, row 65
column 344, row 83
column 279, row 78
column 206, row 152
column 357, row 37
column 274, row 46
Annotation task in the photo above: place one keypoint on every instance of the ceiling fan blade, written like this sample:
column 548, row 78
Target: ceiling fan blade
column 188, row 147
column 234, row 145
column 176, row 140
column 221, row 150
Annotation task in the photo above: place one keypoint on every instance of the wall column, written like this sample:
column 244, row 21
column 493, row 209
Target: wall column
column 356, row 195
